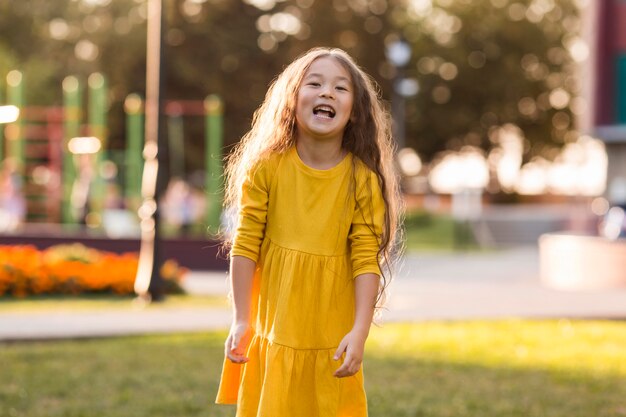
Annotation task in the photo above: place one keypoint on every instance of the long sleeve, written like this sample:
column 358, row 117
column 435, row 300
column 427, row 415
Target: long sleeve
column 252, row 214
column 367, row 227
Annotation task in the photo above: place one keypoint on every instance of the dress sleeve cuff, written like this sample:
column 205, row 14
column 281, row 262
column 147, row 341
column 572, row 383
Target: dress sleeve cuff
column 366, row 269
column 235, row 251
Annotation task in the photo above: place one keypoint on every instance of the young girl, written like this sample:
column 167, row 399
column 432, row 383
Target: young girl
column 314, row 187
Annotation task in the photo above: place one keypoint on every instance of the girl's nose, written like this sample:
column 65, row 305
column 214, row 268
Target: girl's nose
column 327, row 92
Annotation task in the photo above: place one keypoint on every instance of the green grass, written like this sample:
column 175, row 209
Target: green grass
column 486, row 369
column 57, row 303
column 433, row 232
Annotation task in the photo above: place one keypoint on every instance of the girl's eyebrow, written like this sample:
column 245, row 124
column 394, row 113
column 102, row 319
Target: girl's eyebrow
column 340, row 78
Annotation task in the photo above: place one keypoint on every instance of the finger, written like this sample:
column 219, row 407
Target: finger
column 355, row 368
column 350, row 367
column 235, row 341
column 341, row 371
column 242, row 344
column 344, row 369
column 340, row 350
column 227, row 345
column 237, row 358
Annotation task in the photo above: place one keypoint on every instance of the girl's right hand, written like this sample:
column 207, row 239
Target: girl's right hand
column 238, row 341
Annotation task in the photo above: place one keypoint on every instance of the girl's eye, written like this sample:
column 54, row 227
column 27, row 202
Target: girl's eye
column 314, row 84
column 342, row 88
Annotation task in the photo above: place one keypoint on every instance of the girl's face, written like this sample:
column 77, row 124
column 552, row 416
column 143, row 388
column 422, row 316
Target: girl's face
column 324, row 101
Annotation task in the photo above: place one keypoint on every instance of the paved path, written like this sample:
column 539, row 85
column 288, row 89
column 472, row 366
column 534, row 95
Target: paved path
column 490, row 285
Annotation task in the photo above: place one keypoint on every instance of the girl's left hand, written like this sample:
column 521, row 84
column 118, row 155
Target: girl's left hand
column 353, row 344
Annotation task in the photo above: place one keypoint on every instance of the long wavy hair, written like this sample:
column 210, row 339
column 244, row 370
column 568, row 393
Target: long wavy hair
column 367, row 136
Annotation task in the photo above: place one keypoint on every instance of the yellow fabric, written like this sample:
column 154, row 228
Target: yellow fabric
column 310, row 238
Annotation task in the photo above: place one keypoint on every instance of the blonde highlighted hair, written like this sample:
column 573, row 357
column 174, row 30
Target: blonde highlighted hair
column 367, row 136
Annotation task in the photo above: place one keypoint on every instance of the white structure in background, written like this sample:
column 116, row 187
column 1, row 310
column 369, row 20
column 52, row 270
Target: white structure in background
column 464, row 175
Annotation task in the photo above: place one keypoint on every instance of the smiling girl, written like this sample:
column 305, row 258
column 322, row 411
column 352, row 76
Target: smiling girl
column 317, row 204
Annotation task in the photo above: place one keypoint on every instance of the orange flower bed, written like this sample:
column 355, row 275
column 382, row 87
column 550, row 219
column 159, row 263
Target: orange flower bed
column 74, row 269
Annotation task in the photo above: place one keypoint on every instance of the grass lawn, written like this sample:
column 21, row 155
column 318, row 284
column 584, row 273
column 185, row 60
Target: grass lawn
column 435, row 369
column 43, row 303
column 435, row 232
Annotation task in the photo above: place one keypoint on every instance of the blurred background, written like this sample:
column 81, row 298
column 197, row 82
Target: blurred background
column 510, row 123
column 506, row 112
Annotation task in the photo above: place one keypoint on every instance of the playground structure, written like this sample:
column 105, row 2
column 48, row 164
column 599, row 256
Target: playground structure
column 55, row 153
column 59, row 166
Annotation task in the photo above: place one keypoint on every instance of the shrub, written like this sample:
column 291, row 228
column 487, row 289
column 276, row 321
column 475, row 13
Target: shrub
column 75, row 269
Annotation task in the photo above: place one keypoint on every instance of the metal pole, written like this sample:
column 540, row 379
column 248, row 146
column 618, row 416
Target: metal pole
column 398, row 110
column 134, row 141
column 148, row 282
column 71, row 126
column 214, row 165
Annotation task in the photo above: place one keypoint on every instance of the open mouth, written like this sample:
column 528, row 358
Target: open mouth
column 326, row 112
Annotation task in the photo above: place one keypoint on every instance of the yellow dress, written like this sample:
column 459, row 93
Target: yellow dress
column 310, row 232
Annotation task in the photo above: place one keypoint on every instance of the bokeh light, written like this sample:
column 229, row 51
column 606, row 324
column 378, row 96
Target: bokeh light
column 9, row 114
column 410, row 163
column 86, row 50
column 456, row 171
column 83, row 145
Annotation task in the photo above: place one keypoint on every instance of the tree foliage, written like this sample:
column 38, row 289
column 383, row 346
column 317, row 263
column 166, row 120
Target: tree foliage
column 479, row 63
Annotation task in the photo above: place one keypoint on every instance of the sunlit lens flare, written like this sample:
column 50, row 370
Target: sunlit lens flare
column 613, row 223
column 84, row 145
column 41, row 175
column 533, row 178
column 409, row 161
column 506, row 159
column 467, row 169
column 600, row 206
column 9, row 114
column 580, row 169
column 262, row 4
column 563, row 178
